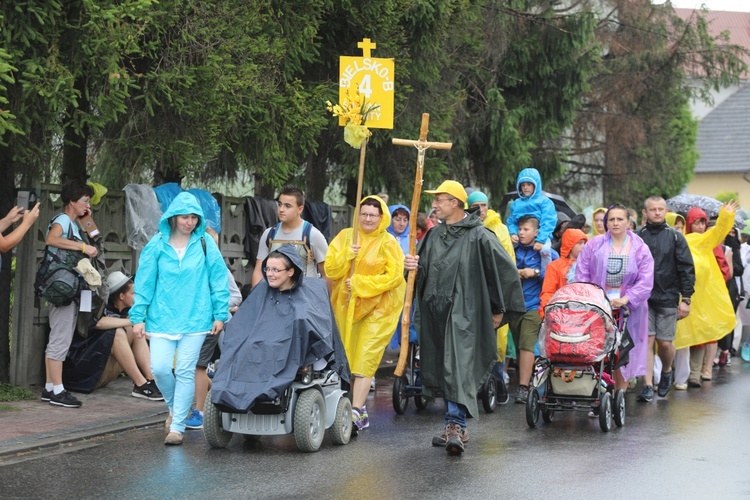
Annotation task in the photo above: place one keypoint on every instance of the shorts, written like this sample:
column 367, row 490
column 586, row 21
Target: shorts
column 62, row 325
column 662, row 323
column 210, row 351
column 524, row 327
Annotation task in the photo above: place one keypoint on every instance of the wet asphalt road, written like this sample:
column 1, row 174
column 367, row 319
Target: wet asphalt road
column 693, row 444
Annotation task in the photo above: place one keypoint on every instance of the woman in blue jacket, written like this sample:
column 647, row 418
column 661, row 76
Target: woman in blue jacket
column 181, row 295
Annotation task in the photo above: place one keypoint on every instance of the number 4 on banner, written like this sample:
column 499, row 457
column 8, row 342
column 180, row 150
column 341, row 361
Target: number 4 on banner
column 365, row 87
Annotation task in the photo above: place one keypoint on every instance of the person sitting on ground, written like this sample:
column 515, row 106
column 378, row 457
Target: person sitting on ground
column 111, row 348
column 286, row 323
column 532, row 201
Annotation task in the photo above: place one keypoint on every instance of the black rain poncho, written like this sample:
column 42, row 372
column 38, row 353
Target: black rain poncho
column 272, row 335
column 465, row 276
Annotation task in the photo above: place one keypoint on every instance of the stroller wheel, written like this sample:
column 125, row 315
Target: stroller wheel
column 605, row 412
column 400, row 399
column 547, row 414
column 619, row 409
column 532, row 407
column 421, row 402
column 489, row 394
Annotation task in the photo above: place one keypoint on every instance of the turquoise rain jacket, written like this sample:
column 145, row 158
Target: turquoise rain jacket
column 174, row 297
column 537, row 205
column 403, row 238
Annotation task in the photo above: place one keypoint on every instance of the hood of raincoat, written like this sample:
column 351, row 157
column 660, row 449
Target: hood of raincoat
column 183, row 204
column 673, row 217
column 385, row 220
column 291, row 252
column 391, row 210
column 529, row 175
column 693, row 215
column 570, row 238
column 271, row 336
column 593, row 224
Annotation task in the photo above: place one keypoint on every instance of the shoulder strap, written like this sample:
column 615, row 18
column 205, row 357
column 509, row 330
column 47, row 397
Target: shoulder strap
column 306, row 230
column 272, row 234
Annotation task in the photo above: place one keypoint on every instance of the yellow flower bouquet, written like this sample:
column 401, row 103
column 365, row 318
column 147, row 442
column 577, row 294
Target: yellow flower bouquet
column 354, row 111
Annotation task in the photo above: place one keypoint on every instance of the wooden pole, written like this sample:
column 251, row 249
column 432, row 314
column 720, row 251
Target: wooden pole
column 422, row 145
column 360, row 181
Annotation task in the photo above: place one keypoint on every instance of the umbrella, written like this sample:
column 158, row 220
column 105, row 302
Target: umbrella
column 684, row 202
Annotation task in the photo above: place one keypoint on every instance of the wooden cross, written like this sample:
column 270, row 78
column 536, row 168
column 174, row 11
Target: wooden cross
column 422, row 145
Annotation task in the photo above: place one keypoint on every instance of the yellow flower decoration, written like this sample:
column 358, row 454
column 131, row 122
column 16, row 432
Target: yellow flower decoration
column 354, row 110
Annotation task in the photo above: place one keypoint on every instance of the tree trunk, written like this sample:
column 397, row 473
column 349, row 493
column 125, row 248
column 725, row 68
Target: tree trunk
column 7, row 200
column 75, row 147
column 263, row 189
column 316, row 178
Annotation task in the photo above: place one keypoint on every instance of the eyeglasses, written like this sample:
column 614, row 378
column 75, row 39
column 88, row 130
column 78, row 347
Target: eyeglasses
column 440, row 200
column 369, row 216
column 87, row 201
column 273, row 270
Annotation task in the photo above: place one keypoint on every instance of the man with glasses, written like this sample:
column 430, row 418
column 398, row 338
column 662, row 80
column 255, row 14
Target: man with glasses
column 466, row 287
column 64, row 234
column 292, row 229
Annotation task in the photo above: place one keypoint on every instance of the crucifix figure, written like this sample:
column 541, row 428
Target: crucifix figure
column 422, row 146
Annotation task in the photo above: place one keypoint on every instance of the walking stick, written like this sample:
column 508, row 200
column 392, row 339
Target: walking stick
column 422, row 145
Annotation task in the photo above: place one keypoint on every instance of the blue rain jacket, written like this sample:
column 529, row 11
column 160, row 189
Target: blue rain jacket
column 175, row 297
column 537, row 205
column 403, row 238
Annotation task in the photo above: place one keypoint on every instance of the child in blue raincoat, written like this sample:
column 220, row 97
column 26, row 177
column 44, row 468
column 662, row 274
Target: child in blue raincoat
column 531, row 201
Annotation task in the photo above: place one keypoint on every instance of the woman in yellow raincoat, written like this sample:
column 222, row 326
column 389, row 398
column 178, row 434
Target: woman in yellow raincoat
column 366, row 305
column 711, row 311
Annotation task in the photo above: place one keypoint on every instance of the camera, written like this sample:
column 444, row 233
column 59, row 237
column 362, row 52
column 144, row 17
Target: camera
column 27, row 199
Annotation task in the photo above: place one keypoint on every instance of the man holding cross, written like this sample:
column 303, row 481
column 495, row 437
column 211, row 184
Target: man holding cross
column 466, row 286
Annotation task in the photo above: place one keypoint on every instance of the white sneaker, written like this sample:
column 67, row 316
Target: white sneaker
column 680, row 387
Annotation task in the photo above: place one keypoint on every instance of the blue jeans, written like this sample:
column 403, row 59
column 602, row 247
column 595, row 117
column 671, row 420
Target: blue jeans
column 456, row 413
column 178, row 388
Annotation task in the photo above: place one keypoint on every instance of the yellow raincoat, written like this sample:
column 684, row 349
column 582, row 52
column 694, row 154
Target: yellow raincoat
column 368, row 315
column 711, row 312
column 493, row 222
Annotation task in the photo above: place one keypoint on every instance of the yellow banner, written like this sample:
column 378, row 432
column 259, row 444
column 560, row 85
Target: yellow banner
column 374, row 78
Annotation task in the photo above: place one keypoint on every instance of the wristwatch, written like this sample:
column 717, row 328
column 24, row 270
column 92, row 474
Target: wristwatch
column 686, row 300
column 537, row 272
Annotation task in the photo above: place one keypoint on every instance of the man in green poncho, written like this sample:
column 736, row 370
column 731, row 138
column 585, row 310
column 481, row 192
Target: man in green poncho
column 466, row 287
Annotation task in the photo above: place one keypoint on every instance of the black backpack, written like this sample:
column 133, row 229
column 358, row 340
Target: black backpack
column 57, row 281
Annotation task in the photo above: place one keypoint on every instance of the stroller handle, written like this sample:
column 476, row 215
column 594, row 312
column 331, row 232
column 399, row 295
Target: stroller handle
column 625, row 311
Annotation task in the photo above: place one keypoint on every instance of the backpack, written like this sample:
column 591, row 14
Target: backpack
column 57, row 281
column 303, row 247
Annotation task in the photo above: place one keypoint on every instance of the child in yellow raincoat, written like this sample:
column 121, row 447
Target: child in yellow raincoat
column 711, row 311
column 368, row 304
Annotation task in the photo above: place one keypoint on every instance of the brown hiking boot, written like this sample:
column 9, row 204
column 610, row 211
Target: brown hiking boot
column 454, row 444
column 442, row 439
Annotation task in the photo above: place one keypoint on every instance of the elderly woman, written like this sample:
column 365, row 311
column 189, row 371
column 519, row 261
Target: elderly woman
column 367, row 303
column 181, row 295
column 621, row 263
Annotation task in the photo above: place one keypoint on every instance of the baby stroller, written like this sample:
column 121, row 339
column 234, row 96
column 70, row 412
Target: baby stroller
column 579, row 342
column 408, row 386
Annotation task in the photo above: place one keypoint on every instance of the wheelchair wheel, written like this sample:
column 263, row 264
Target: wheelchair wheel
column 341, row 431
column 309, row 420
column 214, row 433
column 400, row 400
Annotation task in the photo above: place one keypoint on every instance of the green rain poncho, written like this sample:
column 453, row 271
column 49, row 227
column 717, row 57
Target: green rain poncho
column 465, row 276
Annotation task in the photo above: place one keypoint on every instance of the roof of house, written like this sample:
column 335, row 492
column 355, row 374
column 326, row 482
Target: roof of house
column 723, row 136
column 736, row 23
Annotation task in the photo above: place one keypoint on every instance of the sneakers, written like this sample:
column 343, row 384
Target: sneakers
column 64, row 399
column 364, row 418
column 194, row 420
column 147, row 391
column 442, row 439
column 665, row 382
column 522, row 395
column 46, row 395
column 647, row 394
column 745, row 352
column 680, row 387
column 173, row 438
column 356, row 419
column 453, row 443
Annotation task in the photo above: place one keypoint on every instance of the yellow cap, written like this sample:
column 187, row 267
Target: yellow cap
column 452, row 188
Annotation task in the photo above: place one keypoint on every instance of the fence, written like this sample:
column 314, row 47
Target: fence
column 31, row 322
